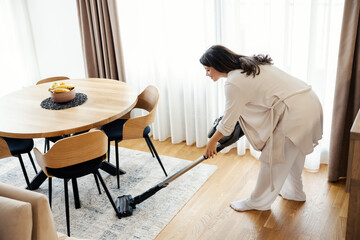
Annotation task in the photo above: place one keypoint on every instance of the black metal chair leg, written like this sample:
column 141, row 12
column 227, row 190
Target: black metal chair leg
column 76, row 193
column 67, row 212
column 109, row 151
column 106, row 190
column 50, row 191
column 157, row 156
column 32, row 162
column 148, row 144
column 46, row 145
column 97, row 183
column 24, row 172
column 117, row 163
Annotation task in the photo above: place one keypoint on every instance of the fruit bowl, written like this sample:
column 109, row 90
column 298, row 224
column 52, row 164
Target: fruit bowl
column 61, row 97
column 62, row 92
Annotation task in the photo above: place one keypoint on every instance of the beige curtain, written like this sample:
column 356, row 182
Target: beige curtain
column 347, row 90
column 101, row 39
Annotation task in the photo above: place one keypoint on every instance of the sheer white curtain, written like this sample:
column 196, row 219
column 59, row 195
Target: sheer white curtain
column 164, row 39
column 18, row 62
column 162, row 42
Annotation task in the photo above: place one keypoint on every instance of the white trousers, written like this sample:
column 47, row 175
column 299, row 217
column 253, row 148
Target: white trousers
column 287, row 180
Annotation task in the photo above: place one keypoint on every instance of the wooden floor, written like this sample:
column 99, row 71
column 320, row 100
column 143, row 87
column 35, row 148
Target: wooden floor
column 208, row 215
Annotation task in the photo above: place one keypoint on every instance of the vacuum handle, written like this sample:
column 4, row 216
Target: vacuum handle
column 142, row 197
column 182, row 171
column 187, row 168
column 219, row 147
column 147, row 194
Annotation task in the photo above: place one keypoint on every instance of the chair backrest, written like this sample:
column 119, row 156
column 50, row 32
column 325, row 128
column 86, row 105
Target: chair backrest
column 73, row 150
column 147, row 100
column 4, row 149
column 51, row 79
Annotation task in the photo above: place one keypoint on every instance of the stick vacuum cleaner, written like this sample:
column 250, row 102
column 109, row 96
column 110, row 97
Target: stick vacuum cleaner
column 126, row 204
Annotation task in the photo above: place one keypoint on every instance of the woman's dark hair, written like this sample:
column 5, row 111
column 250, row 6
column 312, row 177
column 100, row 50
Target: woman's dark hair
column 224, row 60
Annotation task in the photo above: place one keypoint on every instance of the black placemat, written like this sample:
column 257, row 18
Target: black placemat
column 48, row 103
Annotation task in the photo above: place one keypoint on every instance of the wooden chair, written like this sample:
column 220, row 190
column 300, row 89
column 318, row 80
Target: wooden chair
column 133, row 128
column 51, row 139
column 52, row 79
column 15, row 147
column 74, row 157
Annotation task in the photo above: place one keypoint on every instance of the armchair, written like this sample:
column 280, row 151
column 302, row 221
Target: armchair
column 26, row 215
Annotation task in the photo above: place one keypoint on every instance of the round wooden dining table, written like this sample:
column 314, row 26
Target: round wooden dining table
column 23, row 117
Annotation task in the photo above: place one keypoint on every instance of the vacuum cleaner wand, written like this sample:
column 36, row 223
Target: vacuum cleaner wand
column 126, row 204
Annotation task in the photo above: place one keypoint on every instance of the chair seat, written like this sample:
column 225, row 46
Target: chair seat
column 19, row 146
column 77, row 170
column 114, row 130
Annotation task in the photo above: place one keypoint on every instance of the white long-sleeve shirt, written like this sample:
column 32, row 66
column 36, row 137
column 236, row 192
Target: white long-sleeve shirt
column 277, row 98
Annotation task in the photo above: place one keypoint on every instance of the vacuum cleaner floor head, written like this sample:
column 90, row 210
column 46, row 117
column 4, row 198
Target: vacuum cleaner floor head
column 125, row 206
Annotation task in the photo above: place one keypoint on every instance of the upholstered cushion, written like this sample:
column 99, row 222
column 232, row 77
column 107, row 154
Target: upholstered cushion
column 15, row 219
column 43, row 224
column 18, row 146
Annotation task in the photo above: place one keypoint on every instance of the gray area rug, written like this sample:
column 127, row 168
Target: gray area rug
column 96, row 218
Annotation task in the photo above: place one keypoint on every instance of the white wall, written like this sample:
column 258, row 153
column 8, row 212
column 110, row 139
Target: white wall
column 57, row 38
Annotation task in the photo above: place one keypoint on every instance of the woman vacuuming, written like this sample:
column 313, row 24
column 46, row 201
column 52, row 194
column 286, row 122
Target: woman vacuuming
column 280, row 115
